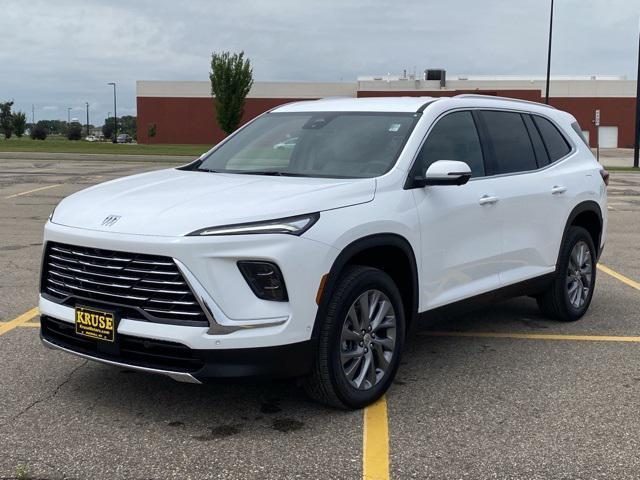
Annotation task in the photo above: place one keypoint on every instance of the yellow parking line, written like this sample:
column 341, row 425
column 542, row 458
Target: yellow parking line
column 534, row 336
column 25, row 325
column 16, row 322
column 375, row 442
column 619, row 276
column 32, row 191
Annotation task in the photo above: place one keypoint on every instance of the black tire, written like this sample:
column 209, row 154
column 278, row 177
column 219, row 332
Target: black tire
column 327, row 382
column 555, row 303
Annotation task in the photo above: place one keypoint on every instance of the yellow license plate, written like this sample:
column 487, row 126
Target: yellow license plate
column 97, row 324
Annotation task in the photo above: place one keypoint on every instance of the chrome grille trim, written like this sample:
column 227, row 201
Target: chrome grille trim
column 146, row 287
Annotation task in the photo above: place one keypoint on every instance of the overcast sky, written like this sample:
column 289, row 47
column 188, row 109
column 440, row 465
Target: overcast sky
column 62, row 54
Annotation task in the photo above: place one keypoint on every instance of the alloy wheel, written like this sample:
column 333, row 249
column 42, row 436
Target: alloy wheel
column 579, row 274
column 368, row 339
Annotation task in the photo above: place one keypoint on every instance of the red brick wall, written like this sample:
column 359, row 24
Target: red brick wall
column 619, row 111
column 191, row 120
column 533, row 95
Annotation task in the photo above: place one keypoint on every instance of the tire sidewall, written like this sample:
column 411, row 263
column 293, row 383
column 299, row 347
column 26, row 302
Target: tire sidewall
column 369, row 279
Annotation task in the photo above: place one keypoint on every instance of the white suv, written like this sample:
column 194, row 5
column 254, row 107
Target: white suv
column 317, row 260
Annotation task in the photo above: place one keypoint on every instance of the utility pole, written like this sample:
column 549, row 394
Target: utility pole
column 33, row 114
column 115, row 114
column 87, row 118
column 546, row 97
column 636, row 149
column 68, row 116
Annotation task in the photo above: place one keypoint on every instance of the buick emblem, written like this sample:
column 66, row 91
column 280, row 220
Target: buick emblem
column 110, row 220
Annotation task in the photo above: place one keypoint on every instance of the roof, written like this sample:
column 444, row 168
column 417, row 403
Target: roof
column 407, row 104
column 369, row 104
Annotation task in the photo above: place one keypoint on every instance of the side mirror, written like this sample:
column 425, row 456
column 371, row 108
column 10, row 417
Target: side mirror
column 445, row 172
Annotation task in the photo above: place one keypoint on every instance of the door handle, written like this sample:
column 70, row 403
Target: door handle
column 488, row 200
column 558, row 189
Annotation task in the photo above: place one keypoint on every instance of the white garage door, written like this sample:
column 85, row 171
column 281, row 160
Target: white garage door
column 608, row 137
column 586, row 136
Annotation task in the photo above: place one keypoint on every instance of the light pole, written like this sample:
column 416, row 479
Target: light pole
column 115, row 115
column 636, row 148
column 546, row 97
column 87, row 103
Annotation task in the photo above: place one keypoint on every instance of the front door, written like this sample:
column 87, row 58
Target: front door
column 460, row 225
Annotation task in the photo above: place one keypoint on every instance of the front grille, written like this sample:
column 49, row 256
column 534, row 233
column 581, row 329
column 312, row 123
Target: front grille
column 143, row 287
column 142, row 352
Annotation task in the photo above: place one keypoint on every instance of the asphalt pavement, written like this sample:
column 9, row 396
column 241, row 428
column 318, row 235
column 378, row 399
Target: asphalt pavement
column 497, row 393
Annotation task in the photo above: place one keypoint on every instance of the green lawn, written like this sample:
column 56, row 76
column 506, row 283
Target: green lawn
column 60, row 144
column 623, row 169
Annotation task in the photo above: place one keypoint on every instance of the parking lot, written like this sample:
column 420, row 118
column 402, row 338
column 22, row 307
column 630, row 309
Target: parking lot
column 496, row 393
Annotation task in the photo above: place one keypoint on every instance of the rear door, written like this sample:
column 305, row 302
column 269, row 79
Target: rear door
column 529, row 202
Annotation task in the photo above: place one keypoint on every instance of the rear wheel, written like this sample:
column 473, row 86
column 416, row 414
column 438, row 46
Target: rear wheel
column 360, row 340
column 569, row 296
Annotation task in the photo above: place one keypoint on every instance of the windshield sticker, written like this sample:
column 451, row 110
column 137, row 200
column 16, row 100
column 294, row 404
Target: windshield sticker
column 394, row 127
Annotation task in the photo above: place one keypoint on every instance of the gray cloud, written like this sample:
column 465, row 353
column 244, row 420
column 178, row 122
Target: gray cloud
column 64, row 56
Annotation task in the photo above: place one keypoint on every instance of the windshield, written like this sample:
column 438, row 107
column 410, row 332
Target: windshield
column 314, row 144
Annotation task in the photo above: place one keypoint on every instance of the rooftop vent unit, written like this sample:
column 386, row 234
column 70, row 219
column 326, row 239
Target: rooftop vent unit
column 437, row 74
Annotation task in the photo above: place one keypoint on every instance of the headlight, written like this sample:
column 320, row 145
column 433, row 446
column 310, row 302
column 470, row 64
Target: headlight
column 290, row 225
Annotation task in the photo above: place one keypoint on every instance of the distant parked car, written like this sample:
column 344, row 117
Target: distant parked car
column 124, row 138
column 288, row 144
column 91, row 138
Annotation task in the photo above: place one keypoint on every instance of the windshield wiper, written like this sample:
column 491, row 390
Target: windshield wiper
column 207, row 170
column 272, row 173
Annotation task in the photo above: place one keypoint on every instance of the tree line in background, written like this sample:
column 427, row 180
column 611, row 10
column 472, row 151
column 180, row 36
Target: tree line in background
column 15, row 123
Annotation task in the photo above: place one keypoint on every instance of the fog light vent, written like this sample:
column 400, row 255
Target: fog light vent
column 265, row 279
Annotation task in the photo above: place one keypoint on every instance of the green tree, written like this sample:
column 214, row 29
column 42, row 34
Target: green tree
column 231, row 79
column 19, row 123
column 127, row 124
column 54, row 127
column 6, row 119
column 107, row 129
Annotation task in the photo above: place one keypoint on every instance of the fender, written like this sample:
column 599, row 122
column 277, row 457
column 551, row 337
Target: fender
column 358, row 246
column 586, row 206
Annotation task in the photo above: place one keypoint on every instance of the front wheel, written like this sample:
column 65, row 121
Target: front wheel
column 360, row 340
column 569, row 296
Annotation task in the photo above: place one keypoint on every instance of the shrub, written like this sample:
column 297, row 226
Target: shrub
column 152, row 130
column 39, row 133
column 74, row 132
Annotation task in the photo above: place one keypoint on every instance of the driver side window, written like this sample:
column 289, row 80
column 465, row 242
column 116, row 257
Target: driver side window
column 453, row 137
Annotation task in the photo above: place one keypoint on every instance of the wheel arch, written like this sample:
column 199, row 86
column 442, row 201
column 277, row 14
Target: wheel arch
column 363, row 252
column 588, row 215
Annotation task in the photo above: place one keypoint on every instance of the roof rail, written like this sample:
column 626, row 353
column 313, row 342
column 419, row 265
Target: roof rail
column 495, row 97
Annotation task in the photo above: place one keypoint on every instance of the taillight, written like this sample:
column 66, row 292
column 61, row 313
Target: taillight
column 605, row 176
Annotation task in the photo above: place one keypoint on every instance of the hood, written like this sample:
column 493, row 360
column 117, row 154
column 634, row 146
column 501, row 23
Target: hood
column 176, row 202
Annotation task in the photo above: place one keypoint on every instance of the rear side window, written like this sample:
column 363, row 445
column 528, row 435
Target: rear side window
column 557, row 146
column 538, row 145
column 510, row 142
column 453, row 137
column 578, row 130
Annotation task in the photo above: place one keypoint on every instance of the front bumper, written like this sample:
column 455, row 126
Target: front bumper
column 238, row 318
column 178, row 361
